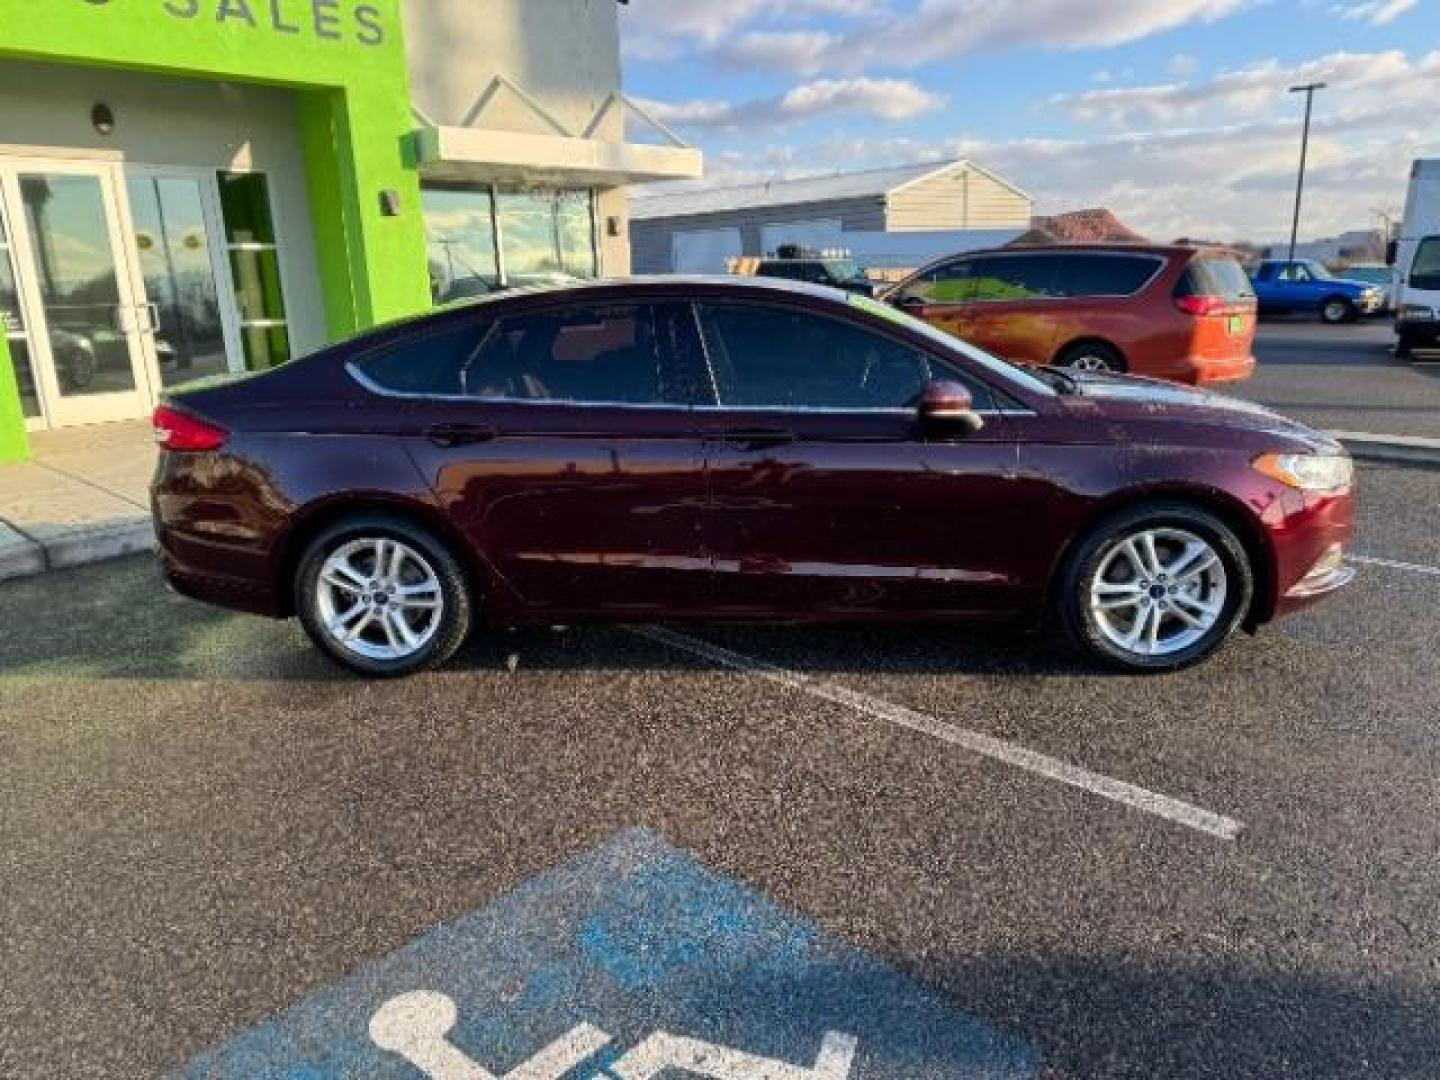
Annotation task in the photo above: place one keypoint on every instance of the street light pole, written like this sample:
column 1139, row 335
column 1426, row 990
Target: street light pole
column 1309, row 91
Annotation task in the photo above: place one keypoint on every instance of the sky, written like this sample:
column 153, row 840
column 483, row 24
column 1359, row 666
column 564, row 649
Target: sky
column 1172, row 113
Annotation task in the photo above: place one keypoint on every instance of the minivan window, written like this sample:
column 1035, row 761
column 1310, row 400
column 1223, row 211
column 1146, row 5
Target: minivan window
column 779, row 358
column 433, row 364
column 1102, row 275
column 594, row 355
column 944, row 284
column 1209, row 275
column 1012, row 277
column 1425, row 271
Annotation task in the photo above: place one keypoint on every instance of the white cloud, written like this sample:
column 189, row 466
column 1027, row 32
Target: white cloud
column 1226, row 182
column 935, row 30
column 888, row 99
column 1358, row 79
column 662, row 28
column 1375, row 12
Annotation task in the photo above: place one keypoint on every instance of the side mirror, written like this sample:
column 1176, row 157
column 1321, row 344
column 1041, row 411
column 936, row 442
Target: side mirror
column 949, row 405
column 1392, row 252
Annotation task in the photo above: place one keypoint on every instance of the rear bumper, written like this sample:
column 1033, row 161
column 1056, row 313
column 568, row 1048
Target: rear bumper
column 214, row 570
column 1205, row 371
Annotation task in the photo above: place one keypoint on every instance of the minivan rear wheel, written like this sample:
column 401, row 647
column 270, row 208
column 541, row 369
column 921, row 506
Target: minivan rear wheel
column 1155, row 588
column 1092, row 356
column 383, row 596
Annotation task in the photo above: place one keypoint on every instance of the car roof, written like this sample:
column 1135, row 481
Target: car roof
column 661, row 284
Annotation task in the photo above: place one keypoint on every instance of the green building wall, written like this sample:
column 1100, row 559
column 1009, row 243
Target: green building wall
column 345, row 60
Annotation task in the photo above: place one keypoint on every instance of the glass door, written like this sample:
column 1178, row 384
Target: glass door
column 86, row 318
column 191, row 331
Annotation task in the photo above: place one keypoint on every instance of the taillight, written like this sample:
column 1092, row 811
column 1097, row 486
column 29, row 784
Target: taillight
column 184, row 434
column 1201, row 305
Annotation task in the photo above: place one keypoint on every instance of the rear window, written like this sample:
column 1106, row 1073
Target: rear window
column 1211, row 276
column 1425, row 272
column 1103, row 275
column 429, row 364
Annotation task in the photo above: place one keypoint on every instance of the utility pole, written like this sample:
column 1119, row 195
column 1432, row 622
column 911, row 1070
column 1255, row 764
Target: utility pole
column 1309, row 91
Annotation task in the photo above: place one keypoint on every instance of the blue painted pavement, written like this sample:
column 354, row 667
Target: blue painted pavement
column 631, row 962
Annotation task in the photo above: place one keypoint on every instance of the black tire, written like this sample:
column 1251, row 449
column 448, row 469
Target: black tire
column 1336, row 310
column 1073, row 590
column 1405, row 348
column 457, row 606
column 1093, row 356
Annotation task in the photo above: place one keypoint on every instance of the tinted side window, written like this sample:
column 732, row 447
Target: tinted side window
column 599, row 355
column 429, row 364
column 1213, row 276
column 778, row 358
column 1102, row 275
column 1013, row 277
column 941, row 285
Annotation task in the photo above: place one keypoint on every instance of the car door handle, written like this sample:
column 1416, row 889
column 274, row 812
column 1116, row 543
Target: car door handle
column 757, row 438
column 460, row 434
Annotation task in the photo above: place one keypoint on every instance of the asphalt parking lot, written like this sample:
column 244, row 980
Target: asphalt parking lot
column 1344, row 378
column 1230, row 872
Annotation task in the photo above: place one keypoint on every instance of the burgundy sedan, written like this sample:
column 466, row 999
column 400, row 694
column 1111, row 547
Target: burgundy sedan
column 722, row 450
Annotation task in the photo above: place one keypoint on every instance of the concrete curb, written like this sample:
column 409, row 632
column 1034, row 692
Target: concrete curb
column 28, row 557
column 1391, row 449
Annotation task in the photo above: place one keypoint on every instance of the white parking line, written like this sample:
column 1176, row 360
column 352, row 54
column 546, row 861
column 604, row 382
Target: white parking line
column 1392, row 564
column 1182, row 813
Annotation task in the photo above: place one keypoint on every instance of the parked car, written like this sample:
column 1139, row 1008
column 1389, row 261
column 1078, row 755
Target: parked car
column 715, row 449
column 818, row 268
column 1378, row 275
column 1416, row 255
column 1305, row 287
column 1169, row 312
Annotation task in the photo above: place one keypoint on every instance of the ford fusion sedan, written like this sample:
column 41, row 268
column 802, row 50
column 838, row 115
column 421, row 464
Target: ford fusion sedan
column 721, row 449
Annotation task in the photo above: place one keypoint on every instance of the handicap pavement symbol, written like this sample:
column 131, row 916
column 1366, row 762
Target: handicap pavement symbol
column 633, row 962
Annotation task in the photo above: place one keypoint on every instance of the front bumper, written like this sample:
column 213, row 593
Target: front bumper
column 1310, row 533
column 1418, row 331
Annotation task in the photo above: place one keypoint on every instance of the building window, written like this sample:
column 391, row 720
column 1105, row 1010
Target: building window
column 460, row 242
column 255, row 269
column 546, row 235
column 481, row 238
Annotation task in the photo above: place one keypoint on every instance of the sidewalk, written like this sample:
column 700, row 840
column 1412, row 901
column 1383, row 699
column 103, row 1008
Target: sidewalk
column 82, row 498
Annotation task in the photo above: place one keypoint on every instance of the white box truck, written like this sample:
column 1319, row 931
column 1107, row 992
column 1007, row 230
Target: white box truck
column 1417, row 263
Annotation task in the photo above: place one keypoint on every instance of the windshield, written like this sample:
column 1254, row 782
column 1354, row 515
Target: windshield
column 1317, row 270
column 1002, row 368
column 844, row 269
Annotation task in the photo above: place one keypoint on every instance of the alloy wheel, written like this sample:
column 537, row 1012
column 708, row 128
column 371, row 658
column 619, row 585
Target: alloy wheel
column 1159, row 591
column 1090, row 362
column 379, row 598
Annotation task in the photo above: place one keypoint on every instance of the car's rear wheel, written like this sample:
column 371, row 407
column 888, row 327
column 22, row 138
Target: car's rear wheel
column 1337, row 310
column 1092, row 356
column 383, row 596
column 1156, row 588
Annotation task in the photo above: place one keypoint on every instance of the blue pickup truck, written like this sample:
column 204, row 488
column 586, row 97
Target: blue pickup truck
column 1305, row 287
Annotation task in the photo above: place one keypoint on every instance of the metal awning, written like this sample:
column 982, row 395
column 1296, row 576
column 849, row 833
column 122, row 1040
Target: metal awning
column 471, row 152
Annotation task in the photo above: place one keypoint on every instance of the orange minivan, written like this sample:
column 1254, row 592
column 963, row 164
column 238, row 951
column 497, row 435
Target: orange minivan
column 1175, row 313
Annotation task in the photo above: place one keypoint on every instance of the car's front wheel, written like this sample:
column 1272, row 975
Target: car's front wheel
column 1338, row 310
column 383, row 596
column 1156, row 588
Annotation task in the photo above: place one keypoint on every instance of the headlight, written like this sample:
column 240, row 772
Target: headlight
column 1309, row 472
column 1416, row 311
